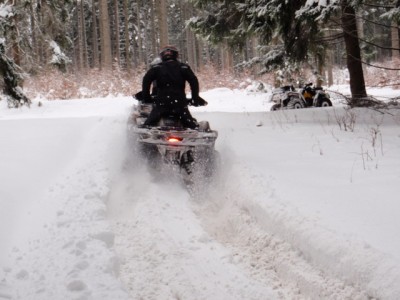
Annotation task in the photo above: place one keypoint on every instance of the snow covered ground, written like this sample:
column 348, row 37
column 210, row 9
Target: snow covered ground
column 300, row 209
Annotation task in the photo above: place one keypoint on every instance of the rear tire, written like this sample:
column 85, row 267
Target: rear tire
column 324, row 102
column 212, row 164
column 295, row 103
column 275, row 107
column 187, row 162
column 151, row 156
column 204, row 173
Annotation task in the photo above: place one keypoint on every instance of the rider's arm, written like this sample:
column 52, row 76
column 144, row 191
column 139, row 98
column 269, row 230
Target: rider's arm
column 192, row 79
column 194, row 86
column 148, row 78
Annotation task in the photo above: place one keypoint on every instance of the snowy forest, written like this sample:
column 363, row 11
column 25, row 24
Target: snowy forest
column 64, row 49
column 264, row 200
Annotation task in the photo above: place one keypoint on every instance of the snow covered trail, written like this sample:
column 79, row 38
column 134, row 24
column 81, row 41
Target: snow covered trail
column 267, row 187
column 300, row 210
column 233, row 215
column 215, row 246
column 58, row 243
column 241, row 225
column 173, row 247
column 165, row 253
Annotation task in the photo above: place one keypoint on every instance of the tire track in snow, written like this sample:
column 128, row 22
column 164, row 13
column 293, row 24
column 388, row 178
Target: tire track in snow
column 64, row 250
column 163, row 250
column 212, row 246
column 4, row 290
column 232, row 216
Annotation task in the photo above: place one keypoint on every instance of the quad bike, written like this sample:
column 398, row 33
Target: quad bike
column 287, row 97
column 169, row 147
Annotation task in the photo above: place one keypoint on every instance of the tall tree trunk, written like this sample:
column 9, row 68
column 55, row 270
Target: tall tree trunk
column 191, row 50
column 16, row 50
column 190, row 39
column 395, row 41
column 253, row 45
column 79, row 55
column 320, row 69
column 126, row 37
column 227, row 58
column 353, row 53
column 395, row 37
column 200, row 58
column 46, row 30
column 162, row 12
column 153, row 32
column 117, row 54
column 41, row 16
column 105, row 35
column 33, row 31
column 330, row 67
column 360, row 29
column 95, row 45
column 139, row 29
column 85, row 62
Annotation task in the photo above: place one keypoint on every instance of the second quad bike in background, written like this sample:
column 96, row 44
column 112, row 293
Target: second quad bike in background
column 287, row 97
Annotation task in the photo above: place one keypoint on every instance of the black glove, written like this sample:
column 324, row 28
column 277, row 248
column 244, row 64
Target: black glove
column 198, row 101
column 142, row 98
column 139, row 96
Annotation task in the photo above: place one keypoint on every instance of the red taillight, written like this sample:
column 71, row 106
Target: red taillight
column 173, row 139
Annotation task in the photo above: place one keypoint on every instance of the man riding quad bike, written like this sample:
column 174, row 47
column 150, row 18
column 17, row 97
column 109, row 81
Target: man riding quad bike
column 167, row 135
column 169, row 78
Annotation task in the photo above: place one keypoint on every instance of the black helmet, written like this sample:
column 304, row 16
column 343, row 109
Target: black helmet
column 169, row 53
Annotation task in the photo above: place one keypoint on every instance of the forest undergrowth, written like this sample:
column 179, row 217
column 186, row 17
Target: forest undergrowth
column 93, row 83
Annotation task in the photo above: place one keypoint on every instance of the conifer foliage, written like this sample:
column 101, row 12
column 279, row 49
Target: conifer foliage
column 8, row 69
column 286, row 40
column 292, row 30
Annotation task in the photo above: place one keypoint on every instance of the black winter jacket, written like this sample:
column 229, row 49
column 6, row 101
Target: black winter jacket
column 170, row 78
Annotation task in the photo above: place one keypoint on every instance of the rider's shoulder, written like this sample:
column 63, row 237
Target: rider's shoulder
column 175, row 63
column 184, row 66
column 156, row 66
column 156, row 62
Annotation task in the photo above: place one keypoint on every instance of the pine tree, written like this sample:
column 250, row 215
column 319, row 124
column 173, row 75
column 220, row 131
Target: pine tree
column 8, row 69
column 289, row 30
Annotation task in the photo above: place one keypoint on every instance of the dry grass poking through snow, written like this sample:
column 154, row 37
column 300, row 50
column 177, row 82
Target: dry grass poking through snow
column 94, row 83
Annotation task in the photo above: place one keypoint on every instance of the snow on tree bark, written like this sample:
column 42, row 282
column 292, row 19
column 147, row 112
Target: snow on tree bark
column 8, row 69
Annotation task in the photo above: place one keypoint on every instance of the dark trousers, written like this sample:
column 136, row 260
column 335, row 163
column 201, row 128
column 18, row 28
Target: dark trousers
column 181, row 113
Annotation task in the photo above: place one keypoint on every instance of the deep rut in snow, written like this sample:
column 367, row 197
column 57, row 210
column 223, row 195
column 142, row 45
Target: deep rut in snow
column 174, row 246
column 268, row 259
